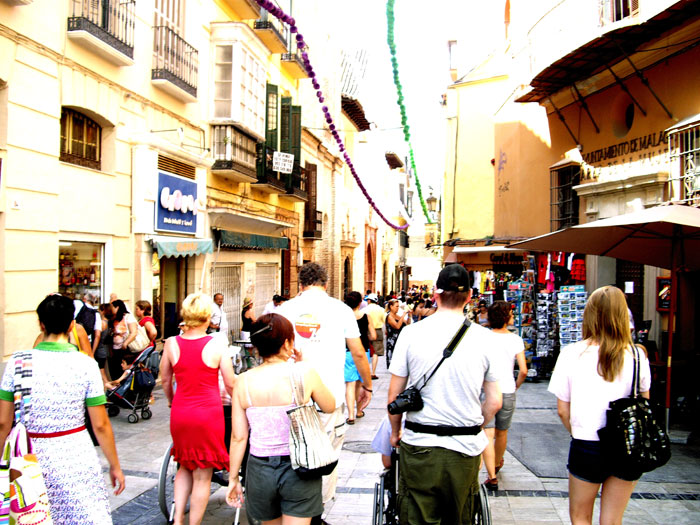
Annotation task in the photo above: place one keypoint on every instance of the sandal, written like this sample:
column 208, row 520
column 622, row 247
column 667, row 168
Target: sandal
column 500, row 466
column 375, row 377
column 491, row 483
column 350, row 421
column 360, row 414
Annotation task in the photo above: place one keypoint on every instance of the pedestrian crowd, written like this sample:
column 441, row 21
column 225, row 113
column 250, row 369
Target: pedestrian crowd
column 452, row 395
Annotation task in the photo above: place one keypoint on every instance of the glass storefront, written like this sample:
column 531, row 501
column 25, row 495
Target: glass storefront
column 81, row 269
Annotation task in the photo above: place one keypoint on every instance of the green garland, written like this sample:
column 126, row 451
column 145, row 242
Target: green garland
column 402, row 107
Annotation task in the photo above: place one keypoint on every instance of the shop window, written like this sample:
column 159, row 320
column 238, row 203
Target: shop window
column 80, row 269
column 564, row 201
column 80, row 139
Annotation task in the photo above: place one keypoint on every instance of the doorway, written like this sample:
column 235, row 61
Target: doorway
column 173, row 290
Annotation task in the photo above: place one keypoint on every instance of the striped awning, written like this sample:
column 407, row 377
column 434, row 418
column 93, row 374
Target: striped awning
column 250, row 241
column 180, row 246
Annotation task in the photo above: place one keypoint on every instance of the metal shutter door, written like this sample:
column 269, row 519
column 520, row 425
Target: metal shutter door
column 227, row 280
column 265, row 286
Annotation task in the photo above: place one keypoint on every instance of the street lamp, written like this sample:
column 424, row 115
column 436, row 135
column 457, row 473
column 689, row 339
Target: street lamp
column 431, row 202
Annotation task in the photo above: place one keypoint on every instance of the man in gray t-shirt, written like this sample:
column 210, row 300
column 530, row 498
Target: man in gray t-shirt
column 442, row 442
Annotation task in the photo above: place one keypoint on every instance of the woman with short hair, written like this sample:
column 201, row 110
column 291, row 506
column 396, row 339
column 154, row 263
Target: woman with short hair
column 194, row 360
column 65, row 382
column 589, row 375
column 142, row 311
column 263, row 395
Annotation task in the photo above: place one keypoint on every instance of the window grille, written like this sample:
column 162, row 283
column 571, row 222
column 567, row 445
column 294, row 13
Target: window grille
column 684, row 154
column 176, row 167
column 265, row 286
column 80, row 139
column 564, row 201
column 227, row 280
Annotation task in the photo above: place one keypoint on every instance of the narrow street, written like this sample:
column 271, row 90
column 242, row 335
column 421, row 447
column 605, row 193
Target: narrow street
column 532, row 485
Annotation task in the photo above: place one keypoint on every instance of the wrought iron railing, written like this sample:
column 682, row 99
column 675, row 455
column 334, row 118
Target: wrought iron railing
column 313, row 224
column 297, row 179
column 267, row 21
column 684, row 154
column 266, row 175
column 174, row 60
column 112, row 21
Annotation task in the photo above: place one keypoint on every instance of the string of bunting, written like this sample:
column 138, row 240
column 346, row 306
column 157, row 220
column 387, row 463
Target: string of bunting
column 399, row 91
column 278, row 13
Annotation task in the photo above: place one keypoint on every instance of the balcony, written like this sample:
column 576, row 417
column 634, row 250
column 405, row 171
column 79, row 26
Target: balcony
column 235, row 154
column 106, row 27
column 268, row 180
column 313, row 224
column 175, row 65
column 292, row 63
column 297, row 184
column 17, row 2
column 246, row 9
column 272, row 32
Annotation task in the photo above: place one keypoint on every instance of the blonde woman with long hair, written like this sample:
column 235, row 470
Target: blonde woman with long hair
column 589, row 375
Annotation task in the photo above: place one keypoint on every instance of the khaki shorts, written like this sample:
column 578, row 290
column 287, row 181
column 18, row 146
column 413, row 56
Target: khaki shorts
column 378, row 343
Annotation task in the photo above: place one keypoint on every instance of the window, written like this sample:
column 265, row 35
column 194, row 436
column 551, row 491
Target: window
column 80, row 139
column 409, row 203
column 169, row 13
column 271, row 117
column 684, row 149
column 241, row 99
column 564, row 199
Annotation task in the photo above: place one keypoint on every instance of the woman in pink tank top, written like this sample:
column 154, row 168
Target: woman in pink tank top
column 259, row 404
column 197, row 415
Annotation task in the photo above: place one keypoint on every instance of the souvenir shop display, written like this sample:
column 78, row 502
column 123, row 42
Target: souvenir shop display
column 571, row 300
column 520, row 295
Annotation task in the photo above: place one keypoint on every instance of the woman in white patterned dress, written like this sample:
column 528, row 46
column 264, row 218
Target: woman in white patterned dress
column 64, row 382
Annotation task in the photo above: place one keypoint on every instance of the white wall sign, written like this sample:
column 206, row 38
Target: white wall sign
column 282, row 162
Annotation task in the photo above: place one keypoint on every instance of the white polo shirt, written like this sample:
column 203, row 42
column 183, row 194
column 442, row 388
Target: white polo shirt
column 321, row 325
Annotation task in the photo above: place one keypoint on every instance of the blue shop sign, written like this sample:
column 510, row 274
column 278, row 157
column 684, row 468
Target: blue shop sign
column 176, row 207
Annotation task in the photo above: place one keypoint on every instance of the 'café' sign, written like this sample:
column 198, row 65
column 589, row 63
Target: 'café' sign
column 177, row 204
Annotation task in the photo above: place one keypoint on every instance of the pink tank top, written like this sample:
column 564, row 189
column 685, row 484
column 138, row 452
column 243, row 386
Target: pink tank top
column 269, row 428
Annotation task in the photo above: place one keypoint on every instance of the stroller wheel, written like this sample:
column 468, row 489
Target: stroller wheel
column 146, row 413
column 113, row 410
column 133, row 418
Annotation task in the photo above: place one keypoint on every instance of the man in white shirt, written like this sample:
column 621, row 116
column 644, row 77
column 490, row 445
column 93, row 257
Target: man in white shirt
column 273, row 305
column 218, row 321
column 442, row 442
column 323, row 327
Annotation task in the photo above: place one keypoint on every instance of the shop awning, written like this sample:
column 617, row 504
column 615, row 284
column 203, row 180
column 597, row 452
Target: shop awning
column 180, row 246
column 251, row 241
column 486, row 249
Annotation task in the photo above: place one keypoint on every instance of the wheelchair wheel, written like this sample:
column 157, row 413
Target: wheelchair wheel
column 113, row 410
column 378, row 509
column 482, row 511
column 166, row 483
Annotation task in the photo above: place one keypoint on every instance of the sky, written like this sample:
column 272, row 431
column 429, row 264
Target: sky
column 422, row 30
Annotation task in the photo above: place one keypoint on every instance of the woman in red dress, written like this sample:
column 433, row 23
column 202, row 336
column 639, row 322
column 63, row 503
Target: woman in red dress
column 197, row 415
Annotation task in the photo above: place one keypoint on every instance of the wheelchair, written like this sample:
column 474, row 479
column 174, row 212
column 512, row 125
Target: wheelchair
column 386, row 512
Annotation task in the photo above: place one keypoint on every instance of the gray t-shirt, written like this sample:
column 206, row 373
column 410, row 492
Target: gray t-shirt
column 451, row 397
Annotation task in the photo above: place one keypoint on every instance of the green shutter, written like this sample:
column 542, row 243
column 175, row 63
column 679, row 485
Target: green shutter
column 271, row 116
column 286, row 125
column 295, row 133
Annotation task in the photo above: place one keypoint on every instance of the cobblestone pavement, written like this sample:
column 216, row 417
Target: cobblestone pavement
column 523, row 498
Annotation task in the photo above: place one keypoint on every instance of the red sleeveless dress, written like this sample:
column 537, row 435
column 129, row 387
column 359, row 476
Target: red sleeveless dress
column 197, row 415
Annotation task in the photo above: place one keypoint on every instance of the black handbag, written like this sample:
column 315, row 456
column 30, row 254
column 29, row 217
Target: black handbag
column 632, row 438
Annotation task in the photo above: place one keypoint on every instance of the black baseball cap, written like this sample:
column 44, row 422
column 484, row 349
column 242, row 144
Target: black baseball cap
column 452, row 278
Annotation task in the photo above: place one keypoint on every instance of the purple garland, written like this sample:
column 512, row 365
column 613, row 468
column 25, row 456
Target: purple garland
column 274, row 10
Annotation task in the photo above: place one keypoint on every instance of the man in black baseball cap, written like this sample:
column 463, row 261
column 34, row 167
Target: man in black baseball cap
column 452, row 278
column 442, row 442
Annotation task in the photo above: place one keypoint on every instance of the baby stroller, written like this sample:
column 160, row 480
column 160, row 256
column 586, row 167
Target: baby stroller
column 134, row 391
column 386, row 511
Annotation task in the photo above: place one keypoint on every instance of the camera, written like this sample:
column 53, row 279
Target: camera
column 409, row 400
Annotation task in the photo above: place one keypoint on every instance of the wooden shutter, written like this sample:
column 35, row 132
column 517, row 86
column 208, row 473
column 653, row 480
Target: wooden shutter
column 285, row 289
column 286, row 125
column 295, row 133
column 310, row 208
column 271, row 116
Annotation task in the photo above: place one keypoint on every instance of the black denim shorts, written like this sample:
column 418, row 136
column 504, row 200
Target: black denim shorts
column 587, row 463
